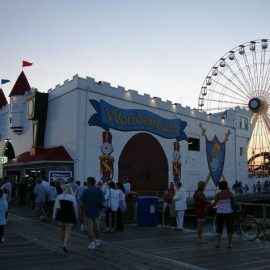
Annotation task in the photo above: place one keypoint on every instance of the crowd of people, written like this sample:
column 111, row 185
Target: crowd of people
column 68, row 203
column 175, row 205
column 239, row 189
column 74, row 202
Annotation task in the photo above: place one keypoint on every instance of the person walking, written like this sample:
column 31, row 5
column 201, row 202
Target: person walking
column 73, row 184
column 3, row 211
column 8, row 187
column 223, row 201
column 168, row 208
column 91, row 201
column 235, row 187
column 259, row 186
column 200, row 206
column 66, row 213
column 51, row 197
column 78, row 194
column 246, row 188
column 122, row 206
column 126, row 184
column 44, row 179
column 40, row 199
column 254, row 188
column 180, row 203
column 30, row 188
column 58, row 186
column 112, row 204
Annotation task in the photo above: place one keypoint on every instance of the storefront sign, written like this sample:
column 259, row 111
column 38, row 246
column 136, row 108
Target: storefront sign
column 62, row 176
column 109, row 116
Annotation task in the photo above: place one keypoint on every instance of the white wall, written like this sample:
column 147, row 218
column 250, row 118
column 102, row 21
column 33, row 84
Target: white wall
column 194, row 164
column 61, row 124
column 67, row 124
column 21, row 143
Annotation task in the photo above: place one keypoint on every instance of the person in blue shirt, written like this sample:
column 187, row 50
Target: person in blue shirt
column 40, row 199
column 3, row 211
column 91, row 201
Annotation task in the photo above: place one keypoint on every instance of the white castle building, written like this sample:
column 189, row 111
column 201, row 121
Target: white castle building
column 87, row 128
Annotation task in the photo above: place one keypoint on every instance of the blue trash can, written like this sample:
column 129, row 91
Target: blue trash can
column 147, row 211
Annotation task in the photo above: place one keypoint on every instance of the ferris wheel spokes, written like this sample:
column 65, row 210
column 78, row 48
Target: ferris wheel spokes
column 242, row 78
column 248, row 87
column 249, row 72
column 244, row 100
column 233, row 84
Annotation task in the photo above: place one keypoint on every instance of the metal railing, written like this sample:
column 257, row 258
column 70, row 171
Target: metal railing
column 210, row 192
column 189, row 192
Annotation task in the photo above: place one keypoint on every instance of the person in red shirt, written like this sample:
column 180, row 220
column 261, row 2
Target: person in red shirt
column 200, row 206
column 168, row 203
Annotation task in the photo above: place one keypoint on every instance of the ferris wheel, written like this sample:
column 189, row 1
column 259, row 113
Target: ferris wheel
column 242, row 78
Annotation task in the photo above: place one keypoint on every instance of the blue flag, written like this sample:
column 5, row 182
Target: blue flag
column 3, row 81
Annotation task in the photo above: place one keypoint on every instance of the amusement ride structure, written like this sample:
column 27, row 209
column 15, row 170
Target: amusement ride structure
column 241, row 78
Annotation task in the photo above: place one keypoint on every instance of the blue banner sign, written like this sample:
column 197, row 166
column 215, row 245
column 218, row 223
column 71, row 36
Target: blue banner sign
column 109, row 116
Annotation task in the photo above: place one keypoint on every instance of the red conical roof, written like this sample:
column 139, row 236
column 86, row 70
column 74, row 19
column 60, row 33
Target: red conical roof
column 20, row 86
column 3, row 100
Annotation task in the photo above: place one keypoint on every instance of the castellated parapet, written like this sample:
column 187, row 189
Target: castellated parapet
column 130, row 95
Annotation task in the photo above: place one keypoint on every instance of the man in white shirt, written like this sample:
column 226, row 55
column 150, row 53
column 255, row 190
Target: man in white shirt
column 126, row 184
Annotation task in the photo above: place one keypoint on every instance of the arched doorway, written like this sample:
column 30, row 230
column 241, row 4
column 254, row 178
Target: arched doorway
column 143, row 160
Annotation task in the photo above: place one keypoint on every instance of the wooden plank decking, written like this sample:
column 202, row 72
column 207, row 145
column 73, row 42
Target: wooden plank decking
column 31, row 244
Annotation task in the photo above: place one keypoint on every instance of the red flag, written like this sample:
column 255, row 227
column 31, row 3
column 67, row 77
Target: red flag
column 26, row 64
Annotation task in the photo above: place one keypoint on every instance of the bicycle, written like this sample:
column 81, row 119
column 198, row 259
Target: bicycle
column 245, row 226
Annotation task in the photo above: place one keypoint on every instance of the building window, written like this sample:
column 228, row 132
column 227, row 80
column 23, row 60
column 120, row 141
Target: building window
column 242, row 152
column 14, row 103
column 243, row 123
column 193, row 144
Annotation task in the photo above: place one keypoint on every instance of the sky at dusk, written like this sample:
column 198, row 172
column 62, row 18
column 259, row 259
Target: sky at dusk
column 162, row 48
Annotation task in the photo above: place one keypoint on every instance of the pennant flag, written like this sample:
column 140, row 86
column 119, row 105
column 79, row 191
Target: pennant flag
column 26, row 64
column 4, row 81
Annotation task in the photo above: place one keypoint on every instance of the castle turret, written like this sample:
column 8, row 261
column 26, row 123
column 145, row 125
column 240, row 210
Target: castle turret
column 17, row 103
column 3, row 100
column 3, row 104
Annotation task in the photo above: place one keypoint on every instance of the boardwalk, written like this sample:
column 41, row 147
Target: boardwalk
column 31, row 245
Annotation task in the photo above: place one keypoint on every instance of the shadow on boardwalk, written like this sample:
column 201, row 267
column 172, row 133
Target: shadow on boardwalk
column 31, row 244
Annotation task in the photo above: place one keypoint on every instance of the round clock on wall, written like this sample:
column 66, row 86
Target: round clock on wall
column 30, row 108
column 106, row 148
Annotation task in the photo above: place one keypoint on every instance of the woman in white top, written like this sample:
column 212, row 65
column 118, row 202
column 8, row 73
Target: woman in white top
column 223, row 201
column 112, row 204
column 180, row 204
column 122, row 206
column 66, row 213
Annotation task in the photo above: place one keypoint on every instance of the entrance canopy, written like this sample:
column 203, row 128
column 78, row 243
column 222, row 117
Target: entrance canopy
column 41, row 155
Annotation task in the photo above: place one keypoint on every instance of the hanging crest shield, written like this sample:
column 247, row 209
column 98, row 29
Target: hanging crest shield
column 215, row 152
